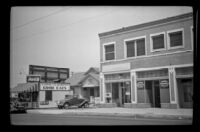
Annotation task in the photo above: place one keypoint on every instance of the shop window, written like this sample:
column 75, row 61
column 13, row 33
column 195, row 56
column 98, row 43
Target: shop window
column 109, row 52
column 184, row 71
column 157, row 42
column 135, row 47
column 48, row 95
column 175, row 39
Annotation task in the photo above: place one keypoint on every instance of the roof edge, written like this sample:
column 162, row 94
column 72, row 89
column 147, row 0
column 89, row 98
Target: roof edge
column 168, row 19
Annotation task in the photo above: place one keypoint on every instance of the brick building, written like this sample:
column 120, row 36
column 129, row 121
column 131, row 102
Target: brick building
column 148, row 65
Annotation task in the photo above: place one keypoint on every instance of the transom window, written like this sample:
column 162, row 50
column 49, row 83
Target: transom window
column 135, row 47
column 109, row 52
column 175, row 38
column 157, row 42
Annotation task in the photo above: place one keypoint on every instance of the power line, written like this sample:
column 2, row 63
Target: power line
column 64, row 26
column 37, row 19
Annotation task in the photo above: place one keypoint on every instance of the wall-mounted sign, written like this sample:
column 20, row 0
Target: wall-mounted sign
column 164, row 83
column 54, row 86
column 108, row 94
column 140, row 84
column 128, row 93
column 44, row 103
column 31, row 78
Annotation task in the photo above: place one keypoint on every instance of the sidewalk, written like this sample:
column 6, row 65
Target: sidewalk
column 128, row 112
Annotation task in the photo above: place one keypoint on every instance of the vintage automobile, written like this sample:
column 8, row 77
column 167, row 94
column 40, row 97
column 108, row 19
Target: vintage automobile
column 73, row 101
column 16, row 106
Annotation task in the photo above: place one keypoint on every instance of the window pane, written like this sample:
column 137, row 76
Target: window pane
column 130, row 49
column 140, row 47
column 176, row 39
column 158, row 41
column 48, row 95
column 110, row 56
column 109, row 48
column 128, row 92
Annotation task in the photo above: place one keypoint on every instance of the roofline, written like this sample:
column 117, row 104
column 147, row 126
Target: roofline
column 134, row 27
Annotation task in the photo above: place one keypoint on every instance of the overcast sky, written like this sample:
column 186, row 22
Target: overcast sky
column 67, row 36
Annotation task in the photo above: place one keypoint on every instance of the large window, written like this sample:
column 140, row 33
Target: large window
column 157, row 42
column 175, row 39
column 135, row 47
column 109, row 52
column 48, row 95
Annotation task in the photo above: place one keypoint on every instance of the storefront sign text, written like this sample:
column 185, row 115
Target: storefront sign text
column 140, row 84
column 54, row 86
column 33, row 78
column 164, row 83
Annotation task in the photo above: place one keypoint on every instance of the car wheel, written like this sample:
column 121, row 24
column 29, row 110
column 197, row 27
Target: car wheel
column 86, row 105
column 66, row 106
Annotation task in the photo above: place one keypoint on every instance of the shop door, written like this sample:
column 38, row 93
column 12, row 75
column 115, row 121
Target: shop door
column 122, row 93
column 185, row 91
column 154, row 96
column 156, row 91
column 115, row 93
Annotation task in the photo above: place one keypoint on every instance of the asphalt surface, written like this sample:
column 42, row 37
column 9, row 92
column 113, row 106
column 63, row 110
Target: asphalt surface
column 61, row 119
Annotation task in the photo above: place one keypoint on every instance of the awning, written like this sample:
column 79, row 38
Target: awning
column 26, row 87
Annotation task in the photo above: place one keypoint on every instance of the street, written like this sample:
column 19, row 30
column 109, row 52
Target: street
column 62, row 119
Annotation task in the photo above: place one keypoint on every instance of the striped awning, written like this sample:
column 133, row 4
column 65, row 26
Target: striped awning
column 26, row 87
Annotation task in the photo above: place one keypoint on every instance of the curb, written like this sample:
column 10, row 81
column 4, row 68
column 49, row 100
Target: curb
column 151, row 116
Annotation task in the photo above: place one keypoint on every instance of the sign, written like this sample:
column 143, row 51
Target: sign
column 31, row 78
column 97, row 100
column 108, row 94
column 140, row 84
column 164, row 83
column 44, row 103
column 128, row 93
column 54, row 86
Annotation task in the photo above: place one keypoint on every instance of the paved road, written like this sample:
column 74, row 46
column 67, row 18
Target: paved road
column 61, row 119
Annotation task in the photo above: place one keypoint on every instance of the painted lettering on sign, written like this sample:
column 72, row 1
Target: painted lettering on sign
column 140, row 84
column 164, row 83
column 33, row 78
column 54, row 86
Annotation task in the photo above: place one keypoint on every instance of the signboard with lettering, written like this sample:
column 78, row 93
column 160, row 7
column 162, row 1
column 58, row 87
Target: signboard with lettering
column 54, row 86
column 164, row 83
column 31, row 78
column 140, row 84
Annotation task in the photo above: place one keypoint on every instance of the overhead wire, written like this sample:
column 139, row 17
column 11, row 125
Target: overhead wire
column 64, row 26
column 40, row 18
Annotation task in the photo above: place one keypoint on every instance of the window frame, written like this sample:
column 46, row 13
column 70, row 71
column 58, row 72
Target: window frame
column 104, row 55
column 151, row 42
column 168, row 39
column 192, row 36
column 135, row 47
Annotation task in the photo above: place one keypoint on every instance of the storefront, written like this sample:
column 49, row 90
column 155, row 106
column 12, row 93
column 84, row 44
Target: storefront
column 50, row 93
column 153, row 88
column 118, row 89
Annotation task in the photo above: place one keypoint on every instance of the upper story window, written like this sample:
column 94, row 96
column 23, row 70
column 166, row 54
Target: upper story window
column 135, row 47
column 109, row 51
column 175, row 39
column 157, row 42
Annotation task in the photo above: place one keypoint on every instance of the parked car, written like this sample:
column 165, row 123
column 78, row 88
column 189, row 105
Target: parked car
column 73, row 101
column 16, row 106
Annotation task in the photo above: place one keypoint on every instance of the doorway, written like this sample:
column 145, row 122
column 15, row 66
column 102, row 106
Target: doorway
column 185, row 92
column 153, row 92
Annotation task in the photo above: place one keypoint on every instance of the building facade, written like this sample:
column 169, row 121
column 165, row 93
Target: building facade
column 85, row 84
column 148, row 65
column 44, row 86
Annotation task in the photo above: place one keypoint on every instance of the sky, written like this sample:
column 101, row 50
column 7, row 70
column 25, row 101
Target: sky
column 67, row 36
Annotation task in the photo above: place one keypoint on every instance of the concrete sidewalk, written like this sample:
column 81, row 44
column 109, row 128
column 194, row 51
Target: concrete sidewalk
column 129, row 112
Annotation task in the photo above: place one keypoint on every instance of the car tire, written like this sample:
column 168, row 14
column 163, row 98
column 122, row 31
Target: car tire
column 86, row 105
column 66, row 106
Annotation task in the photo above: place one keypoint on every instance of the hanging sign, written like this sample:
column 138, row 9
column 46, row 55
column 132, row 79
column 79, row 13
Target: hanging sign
column 54, row 86
column 164, row 83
